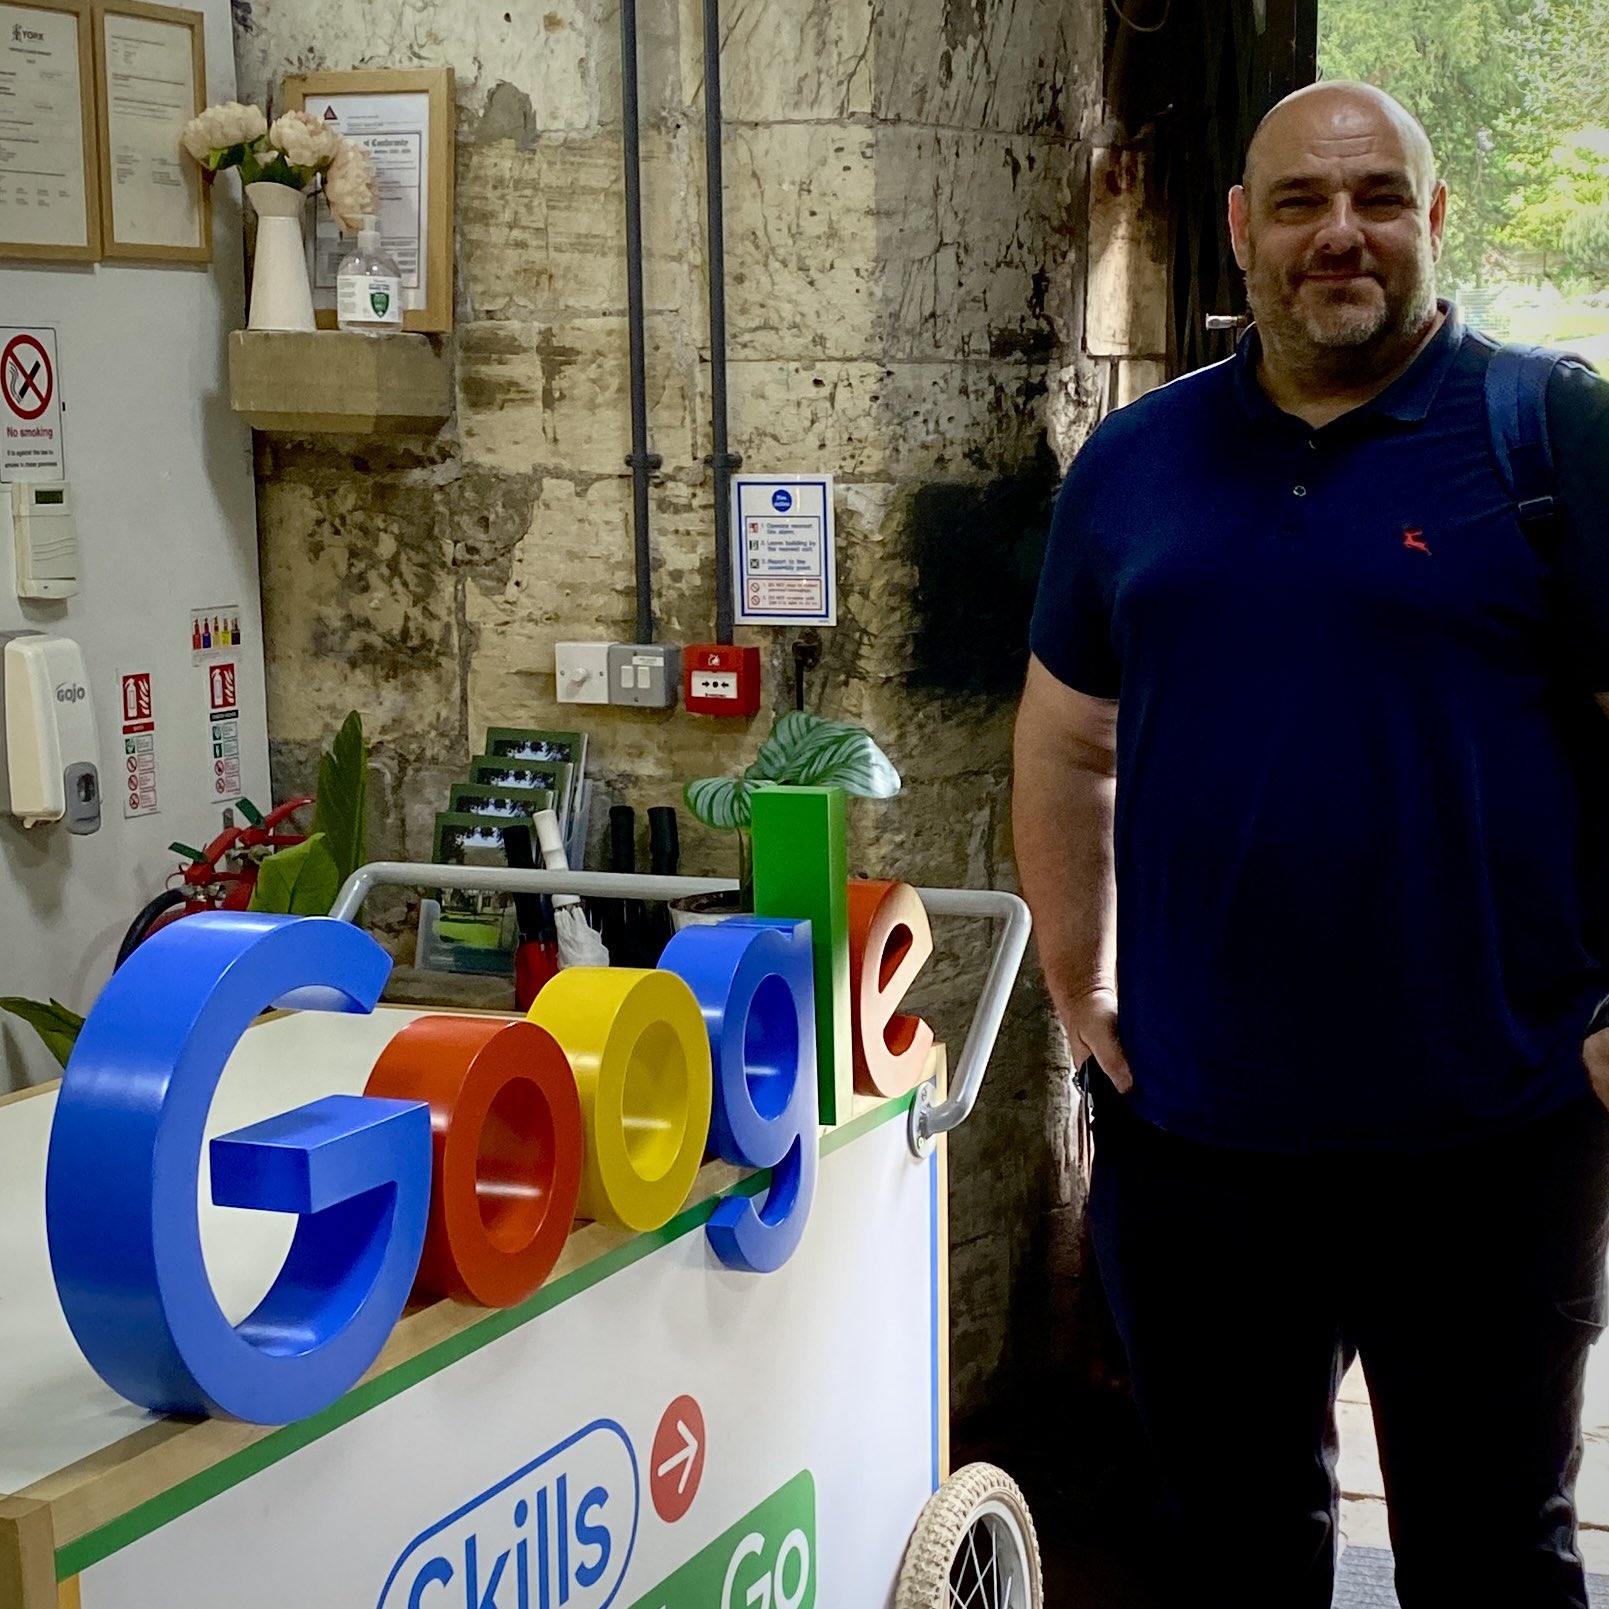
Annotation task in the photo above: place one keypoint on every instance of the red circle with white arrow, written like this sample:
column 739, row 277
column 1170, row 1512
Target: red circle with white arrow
column 677, row 1464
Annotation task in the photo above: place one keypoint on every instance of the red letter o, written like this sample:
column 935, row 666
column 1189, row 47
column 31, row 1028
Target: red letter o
column 507, row 1150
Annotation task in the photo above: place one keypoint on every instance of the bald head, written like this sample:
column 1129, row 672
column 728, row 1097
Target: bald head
column 1336, row 116
column 1338, row 226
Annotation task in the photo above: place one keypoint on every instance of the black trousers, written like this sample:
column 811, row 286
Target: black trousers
column 1471, row 1284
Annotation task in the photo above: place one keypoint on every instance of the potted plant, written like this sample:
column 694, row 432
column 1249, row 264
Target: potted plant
column 280, row 163
column 801, row 751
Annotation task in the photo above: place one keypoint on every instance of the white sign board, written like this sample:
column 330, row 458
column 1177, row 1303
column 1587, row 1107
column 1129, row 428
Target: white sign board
column 30, row 383
column 667, row 1435
column 395, row 130
column 784, row 558
column 138, row 725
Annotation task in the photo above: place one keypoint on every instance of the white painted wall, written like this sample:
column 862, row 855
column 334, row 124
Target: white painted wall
column 161, row 477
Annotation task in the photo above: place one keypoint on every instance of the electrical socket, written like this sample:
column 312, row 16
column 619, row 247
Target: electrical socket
column 644, row 674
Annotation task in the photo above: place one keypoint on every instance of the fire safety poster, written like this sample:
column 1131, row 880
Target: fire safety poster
column 784, row 561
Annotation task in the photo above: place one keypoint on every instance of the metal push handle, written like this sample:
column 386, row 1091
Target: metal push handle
column 508, row 880
column 928, row 1119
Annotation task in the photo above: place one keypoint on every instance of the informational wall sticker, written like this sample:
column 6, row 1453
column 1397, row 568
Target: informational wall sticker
column 30, row 382
column 784, row 560
column 139, row 743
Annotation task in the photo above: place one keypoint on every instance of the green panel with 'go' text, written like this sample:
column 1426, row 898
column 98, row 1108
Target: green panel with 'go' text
column 766, row 1561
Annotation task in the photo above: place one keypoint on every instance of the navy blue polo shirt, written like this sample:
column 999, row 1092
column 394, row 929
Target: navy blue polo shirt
column 1357, row 756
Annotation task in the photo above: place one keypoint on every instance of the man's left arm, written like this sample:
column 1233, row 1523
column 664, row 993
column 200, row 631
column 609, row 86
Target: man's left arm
column 1578, row 428
column 1578, row 557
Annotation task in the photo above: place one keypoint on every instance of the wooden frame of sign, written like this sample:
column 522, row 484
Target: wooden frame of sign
column 90, row 250
column 195, row 246
column 323, row 94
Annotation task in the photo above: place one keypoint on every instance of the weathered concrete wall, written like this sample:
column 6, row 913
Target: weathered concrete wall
column 905, row 194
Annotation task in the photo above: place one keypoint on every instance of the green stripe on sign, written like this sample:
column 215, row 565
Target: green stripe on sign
column 77, row 1556
column 774, row 1544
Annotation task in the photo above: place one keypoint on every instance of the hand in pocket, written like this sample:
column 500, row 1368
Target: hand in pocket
column 1091, row 1024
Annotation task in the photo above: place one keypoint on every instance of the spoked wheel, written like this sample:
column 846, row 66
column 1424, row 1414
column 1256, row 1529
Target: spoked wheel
column 974, row 1547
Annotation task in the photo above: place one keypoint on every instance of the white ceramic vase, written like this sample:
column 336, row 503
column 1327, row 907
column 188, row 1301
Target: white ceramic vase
column 281, row 298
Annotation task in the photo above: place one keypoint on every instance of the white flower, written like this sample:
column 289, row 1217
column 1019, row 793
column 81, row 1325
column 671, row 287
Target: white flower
column 349, row 186
column 306, row 142
column 222, row 126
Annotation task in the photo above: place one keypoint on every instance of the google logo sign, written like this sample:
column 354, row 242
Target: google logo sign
column 477, row 1142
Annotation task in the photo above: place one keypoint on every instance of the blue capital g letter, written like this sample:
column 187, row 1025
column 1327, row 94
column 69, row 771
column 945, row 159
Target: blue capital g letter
column 125, row 1152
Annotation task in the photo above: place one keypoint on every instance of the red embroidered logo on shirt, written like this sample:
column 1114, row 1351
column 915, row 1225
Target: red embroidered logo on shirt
column 1413, row 537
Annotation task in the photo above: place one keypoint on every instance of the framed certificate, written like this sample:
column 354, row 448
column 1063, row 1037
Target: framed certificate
column 48, row 170
column 405, row 119
column 150, row 80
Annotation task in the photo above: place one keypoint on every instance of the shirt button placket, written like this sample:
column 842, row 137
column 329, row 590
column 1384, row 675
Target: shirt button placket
column 1295, row 511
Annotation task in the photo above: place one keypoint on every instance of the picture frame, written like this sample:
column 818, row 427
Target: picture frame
column 407, row 119
column 463, row 838
column 537, row 743
column 19, row 199
column 500, row 772
column 468, row 799
column 145, row 215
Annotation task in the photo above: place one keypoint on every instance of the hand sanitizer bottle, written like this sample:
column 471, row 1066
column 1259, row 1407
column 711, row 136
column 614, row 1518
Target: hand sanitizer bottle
column 368, row 287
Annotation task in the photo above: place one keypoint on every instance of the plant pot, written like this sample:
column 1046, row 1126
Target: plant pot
column 281, row 298
column 704, row 910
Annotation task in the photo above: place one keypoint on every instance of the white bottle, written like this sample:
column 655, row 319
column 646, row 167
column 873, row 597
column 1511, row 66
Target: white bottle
column 368, row 287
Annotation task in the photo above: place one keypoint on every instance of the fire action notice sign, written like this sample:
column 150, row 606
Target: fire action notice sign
column 784, row 563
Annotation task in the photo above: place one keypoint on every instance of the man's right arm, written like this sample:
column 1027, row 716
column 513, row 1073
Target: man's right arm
column 1064, row 791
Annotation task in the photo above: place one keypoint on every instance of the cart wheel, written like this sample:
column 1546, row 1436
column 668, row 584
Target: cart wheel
column 974, row 1546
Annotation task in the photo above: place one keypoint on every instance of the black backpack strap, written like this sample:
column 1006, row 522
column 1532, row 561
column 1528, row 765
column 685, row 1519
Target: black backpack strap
column 1517, row 379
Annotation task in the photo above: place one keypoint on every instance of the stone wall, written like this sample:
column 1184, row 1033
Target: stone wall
column 905, row 193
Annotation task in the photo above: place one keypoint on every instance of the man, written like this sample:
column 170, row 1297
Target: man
column 1293, row 653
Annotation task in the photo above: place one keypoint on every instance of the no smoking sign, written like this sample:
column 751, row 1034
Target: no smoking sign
column 30, row 377
column 30, row 386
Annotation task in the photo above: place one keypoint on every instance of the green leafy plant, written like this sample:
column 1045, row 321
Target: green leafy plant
column 300, row 881
column 802, row 751
column 54, row 1023
column 305, row 879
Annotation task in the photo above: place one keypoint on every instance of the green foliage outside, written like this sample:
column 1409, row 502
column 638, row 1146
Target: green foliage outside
column 1586, row 243
column 1515, row 96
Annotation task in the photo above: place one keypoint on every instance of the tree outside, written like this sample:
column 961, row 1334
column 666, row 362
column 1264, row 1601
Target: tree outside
column 1515, row 96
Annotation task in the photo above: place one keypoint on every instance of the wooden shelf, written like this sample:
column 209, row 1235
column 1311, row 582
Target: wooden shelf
column 324, row 380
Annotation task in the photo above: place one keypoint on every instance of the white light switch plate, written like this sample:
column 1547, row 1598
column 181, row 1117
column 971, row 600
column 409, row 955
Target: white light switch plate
column 581, row 672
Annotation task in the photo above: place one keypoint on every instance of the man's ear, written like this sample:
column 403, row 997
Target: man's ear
column 1438, row 220
column 1240, row 225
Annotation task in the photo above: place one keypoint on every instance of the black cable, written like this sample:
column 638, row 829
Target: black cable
column 1142, row 27
column 721, row 459
column 139, row 930
column 642, row 462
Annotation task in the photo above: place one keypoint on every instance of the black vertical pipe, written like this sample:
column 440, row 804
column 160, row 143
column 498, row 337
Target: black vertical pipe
column 721, row 459
column 642, row 462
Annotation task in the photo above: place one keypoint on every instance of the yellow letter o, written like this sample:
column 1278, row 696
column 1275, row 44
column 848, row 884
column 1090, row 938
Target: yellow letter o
column 641, row 1055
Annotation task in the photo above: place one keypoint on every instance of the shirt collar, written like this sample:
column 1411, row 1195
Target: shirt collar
column 1407, row 399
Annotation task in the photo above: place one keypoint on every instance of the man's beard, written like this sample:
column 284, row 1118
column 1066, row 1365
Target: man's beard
column 1338, row 334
